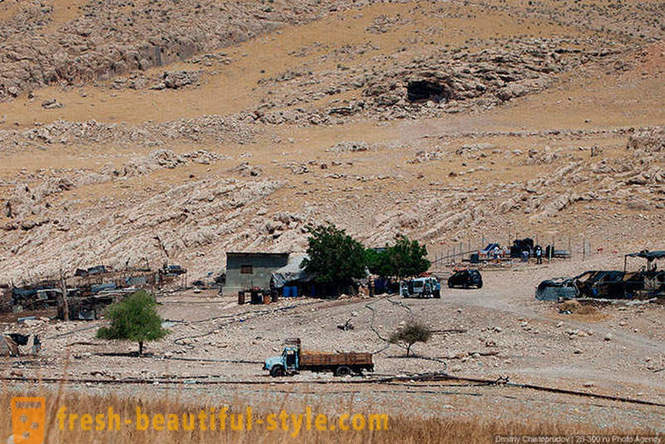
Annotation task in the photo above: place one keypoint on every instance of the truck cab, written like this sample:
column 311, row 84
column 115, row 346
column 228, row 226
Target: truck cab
column 287, row 363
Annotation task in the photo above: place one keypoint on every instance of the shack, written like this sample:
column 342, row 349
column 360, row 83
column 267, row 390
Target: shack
column 248, row 270
column 89, row 291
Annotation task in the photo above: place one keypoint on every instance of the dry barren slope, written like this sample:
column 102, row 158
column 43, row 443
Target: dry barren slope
column 447, row 121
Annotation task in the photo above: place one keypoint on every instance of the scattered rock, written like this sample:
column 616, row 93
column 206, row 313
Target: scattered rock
column 51, row 104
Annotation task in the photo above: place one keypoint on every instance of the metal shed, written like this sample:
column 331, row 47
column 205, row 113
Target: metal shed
column 246, row 270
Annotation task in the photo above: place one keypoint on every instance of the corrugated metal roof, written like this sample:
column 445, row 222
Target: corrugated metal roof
column 646, row 254
column 252, row 253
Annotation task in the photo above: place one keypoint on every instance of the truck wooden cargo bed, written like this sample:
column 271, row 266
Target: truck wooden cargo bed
column 317, row 359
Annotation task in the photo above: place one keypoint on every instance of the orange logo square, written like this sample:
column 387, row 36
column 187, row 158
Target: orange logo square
column 28, row 415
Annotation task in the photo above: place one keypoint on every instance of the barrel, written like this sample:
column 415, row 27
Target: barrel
column 286, row 291
column 275, row 296
column 266, row 299
column 294, row 292
column 241, row 297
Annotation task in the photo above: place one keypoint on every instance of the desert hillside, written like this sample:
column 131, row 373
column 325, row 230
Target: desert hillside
column 177, row 131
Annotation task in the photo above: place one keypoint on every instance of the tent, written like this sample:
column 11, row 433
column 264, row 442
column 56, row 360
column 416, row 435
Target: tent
column 291, row 272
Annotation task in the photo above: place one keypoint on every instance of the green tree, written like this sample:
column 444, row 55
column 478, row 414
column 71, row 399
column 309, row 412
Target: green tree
column 408, row 258
column 411, row 333
column 378, row 262
column 134, row 319
column 335, row 258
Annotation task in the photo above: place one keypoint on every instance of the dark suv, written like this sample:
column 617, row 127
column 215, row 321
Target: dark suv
column 466, row 279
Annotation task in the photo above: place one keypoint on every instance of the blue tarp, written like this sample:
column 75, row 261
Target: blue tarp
column 102, row 287
column 136, row 280
column 20, row 292
column 291, row 272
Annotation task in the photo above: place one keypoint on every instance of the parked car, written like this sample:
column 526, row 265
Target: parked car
column 466, row 279
column 557, row 288
column 424, row 287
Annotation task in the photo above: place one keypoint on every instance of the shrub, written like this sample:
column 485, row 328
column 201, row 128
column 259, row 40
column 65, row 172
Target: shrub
column 411, row 333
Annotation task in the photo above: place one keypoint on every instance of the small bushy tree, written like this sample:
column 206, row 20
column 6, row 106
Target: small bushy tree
column 411, row 333
column 378, row 262
column 134, row 319
column 403, row 259
column 335, row 258
column 408, row 257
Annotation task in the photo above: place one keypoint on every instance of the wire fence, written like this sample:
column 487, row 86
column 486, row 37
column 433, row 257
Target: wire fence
column 560, row 247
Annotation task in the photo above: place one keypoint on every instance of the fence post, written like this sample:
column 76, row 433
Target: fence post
column 570, row 250
column 583, row 248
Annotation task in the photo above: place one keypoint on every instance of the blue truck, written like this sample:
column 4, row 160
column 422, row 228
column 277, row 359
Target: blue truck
column 293, row 359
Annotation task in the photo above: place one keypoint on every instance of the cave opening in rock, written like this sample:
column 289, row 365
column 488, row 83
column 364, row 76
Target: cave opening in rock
column 423, row 90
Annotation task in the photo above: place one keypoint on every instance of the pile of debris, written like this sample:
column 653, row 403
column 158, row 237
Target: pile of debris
column 85, row 295
column 647, row 283
column 17, row 344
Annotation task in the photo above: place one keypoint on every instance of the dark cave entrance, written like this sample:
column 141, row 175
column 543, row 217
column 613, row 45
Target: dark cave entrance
column 423, row 90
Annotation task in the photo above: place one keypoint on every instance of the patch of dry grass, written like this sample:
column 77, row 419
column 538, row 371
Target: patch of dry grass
column 402, row 429
column 575, row 307
column 581, row 312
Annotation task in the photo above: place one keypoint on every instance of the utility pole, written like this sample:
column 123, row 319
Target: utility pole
column 64, row 302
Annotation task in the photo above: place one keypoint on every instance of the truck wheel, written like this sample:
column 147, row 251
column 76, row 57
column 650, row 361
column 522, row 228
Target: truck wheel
column 342, row 371
column 276, row 371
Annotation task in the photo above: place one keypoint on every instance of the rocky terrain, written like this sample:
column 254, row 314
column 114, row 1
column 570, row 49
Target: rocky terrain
column 175, row 131
column 198, row 220
column 437, row 122
column 107, row 38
